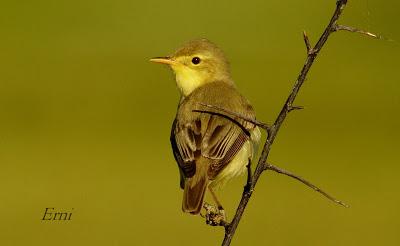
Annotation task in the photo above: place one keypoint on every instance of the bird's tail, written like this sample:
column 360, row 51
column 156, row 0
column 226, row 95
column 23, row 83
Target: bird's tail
column 193, row 194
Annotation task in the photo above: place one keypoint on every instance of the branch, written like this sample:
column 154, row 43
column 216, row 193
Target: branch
column 304, row 181
column 312, row 53
column 240, row 116
column 307, row 42
column 225, row 116
column 269, row 166
column 353, row 29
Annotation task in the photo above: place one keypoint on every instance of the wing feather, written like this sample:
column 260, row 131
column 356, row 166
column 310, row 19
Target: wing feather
column 211, row 137
column 219, row 142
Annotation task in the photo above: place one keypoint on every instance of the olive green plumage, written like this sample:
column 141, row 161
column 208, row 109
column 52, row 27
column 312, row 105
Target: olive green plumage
column 208, row 147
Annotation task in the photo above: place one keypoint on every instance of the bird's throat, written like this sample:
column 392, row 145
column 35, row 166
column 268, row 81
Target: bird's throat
column 187, row 82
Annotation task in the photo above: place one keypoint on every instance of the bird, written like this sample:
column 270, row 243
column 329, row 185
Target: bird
column 210, row 147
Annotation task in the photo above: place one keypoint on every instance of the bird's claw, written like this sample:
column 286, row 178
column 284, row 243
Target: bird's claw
column 214, row 216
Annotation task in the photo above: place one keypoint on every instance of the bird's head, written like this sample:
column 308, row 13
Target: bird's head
column 196, row 63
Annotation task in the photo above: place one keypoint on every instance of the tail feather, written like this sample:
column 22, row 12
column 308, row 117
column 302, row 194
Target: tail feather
column 193, row 194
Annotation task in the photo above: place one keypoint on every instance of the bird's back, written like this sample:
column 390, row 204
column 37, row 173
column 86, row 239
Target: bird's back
column 218, row 94
column 217, row 138
column 205, row 143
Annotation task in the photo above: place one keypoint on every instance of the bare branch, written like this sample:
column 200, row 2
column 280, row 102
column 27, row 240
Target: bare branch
column 353, row 29
column 230, row 229
column 304, row 181
column 245, row 118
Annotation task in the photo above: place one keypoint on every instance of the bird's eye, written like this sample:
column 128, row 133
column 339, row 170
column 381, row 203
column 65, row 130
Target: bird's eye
column 196, row 60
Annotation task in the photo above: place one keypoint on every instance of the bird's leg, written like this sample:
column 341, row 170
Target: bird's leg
column 215, row 198
column 215, row 216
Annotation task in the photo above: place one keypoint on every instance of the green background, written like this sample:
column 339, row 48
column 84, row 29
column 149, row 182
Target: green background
column 85, row 120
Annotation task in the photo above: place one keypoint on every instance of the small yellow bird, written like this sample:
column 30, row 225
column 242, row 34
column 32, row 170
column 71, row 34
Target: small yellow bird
column 210, row 149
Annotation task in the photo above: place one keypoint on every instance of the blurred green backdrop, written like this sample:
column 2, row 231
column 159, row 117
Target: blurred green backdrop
column 74, row 132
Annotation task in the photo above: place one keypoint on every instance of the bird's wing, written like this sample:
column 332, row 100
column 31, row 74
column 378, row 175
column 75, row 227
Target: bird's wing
column 211, row 136
column 222, row 141
column 186, row 169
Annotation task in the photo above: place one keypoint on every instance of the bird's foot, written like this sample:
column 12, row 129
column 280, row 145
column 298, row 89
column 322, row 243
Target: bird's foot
column 214, row 216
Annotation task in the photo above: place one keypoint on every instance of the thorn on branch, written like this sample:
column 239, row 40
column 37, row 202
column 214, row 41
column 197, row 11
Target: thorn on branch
column 307, row 42
column 291, row 108
column 304, row 181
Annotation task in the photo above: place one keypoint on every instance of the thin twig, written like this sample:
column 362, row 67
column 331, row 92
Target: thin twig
column 307, row 42
column 245, row 118
column 291, row 108
column 353, row 29
column 225, row 116
column 230, row 229
column 269, row 166
column 306, row 182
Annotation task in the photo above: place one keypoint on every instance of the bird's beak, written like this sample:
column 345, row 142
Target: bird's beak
column 163, row 60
